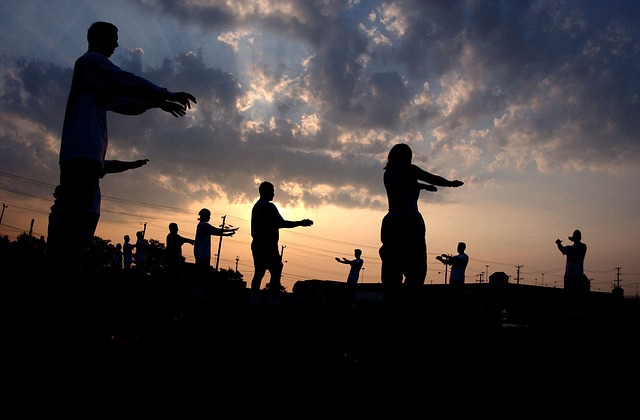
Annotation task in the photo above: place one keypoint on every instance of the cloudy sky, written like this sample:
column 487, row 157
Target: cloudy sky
column 533, row 104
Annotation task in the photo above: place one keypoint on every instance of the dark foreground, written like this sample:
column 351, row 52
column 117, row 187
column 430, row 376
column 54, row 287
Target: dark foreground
column 509, row 352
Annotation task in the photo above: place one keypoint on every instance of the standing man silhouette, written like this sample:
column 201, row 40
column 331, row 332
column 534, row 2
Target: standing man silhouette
column 173, row 250
column 574, row 279
column 356, row 266
column 202, row 242
column 354, row 273
column 266, row 223
column 127, row 252
column 97, row 86
column 458, row 264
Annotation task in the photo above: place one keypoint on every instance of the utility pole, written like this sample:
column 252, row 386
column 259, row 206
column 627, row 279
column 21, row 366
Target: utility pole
column 4, row 206
column 282, row 261
column 446, row 270
column 31, row 227
column 237, row 259
column 220, row 243
column 144, row 230
column 518, row 267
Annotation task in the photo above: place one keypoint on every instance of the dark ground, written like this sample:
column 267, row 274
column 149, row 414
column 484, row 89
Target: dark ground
column 116, row 340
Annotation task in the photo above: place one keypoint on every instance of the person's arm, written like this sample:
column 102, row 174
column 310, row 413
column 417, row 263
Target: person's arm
column 186, row 240
column 444, row 259
column 433, row 179
column 296, row 223
column 129, row 94
column 216, row 231
column 116, row 166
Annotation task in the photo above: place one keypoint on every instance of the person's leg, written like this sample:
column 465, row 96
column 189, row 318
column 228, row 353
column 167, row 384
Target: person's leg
column 258, row 274
column 391, row 256
column 275, row 275
column 352, row 283
column 415, row 258
column 74, row 216
column 259, row 270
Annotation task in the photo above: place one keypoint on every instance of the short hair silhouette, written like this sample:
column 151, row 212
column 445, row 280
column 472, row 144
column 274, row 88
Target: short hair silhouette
column 265, row 187
column 99, row 32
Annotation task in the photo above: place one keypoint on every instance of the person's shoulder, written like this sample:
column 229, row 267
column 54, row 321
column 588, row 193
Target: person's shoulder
column 93, row 56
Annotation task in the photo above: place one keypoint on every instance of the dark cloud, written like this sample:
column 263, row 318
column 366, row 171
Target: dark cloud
column 547, row 83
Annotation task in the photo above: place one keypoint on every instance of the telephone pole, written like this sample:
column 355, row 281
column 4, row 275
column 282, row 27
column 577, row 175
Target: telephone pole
column 446, row 270
column 220, row 243
column 518, row 267
column 4, row 206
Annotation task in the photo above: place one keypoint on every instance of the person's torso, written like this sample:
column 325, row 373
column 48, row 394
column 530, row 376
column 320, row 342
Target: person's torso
column 402, row 190
column 202, row 245
column 265, row 223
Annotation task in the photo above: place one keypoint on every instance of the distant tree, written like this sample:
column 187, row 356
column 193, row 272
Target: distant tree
column 230, row 274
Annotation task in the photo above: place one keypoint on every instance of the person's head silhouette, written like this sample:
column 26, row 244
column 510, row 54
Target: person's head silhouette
column 576, row 237
column 103, row 38
column 205, row 215
column 173, row 227
column 266, row 190
column 399, row 155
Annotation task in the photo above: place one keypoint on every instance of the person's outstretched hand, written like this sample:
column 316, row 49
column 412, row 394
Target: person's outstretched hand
column 230, row 232
column 456, row 183
column 306, row 222
column 174, row 108
column 140, row 162
column 183, row 98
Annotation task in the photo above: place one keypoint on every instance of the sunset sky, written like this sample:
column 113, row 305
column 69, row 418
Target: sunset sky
column 535, row 105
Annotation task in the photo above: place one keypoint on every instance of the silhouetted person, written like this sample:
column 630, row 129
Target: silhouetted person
column 458, row 265
column 266, row 223
column 140, row 257
column 118, row 258
column 127, row 252
column 175, row 261
column 403, row 231
column 97, row 86
column 575, row 280
column 354, row 272
column 355, row 264
column 173, row 249
column 202, row 245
